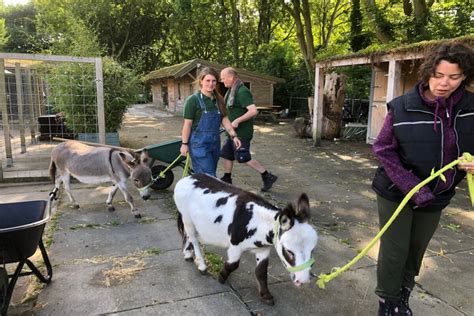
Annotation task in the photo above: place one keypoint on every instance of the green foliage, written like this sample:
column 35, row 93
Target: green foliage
column 121, row 87
column 3, row 34
column 145, row 35
column 20, row 27
column 214, row 263
column 73, row 92
column 358, row 39
column 357, row 82
column 282, row 61
column 450, row 19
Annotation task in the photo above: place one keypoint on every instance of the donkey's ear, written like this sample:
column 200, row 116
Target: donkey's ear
column 144, row 156
column 287, row 218
column 303, row 210
column 128, row 159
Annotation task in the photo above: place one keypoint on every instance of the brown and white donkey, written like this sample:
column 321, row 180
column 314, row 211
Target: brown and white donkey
column 222, row 215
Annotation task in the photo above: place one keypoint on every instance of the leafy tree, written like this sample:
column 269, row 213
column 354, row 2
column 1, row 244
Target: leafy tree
column 134, row 32
column 20, row 26
column 329, row 14
column 359, row 40
column 72, row 85
column 3, row 34
column 72, row 92
column 383, row 28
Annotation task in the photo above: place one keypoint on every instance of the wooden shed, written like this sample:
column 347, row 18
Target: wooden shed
column 171, row 85
column 394, row 72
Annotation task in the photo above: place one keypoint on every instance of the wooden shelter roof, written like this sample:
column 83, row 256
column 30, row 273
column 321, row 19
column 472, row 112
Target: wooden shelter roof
column 405, row 52
column 183, row 69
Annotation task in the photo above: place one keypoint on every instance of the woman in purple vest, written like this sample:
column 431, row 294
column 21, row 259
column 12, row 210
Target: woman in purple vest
column 425, row 129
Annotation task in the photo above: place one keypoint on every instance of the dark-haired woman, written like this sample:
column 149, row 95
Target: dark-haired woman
column 204, row 112
column 426, row 128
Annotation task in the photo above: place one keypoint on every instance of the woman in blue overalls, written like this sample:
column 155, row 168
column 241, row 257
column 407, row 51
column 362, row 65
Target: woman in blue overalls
column 204, row 112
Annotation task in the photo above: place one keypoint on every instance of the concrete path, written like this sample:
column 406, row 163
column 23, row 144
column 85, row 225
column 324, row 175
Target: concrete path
column 111, row 263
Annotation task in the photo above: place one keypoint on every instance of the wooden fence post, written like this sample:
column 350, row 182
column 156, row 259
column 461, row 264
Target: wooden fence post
column 6, row 123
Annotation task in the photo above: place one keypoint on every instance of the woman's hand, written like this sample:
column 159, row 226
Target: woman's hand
column 466, row 166
column 237, row 142
column 184, row 150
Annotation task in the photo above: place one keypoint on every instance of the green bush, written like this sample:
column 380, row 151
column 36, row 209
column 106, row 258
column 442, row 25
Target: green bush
column 72, row 91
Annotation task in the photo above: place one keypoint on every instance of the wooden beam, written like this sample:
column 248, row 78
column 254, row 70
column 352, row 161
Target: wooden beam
column 353, row 61
column 20, row 103
column 55, row 58
column 99, row 83
column 31, row 107
column 318, row 106
column 5, row 120
column 394, row 76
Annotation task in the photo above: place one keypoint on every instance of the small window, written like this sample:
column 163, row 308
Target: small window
column 179, row 91
column 247, row 84
column 191, row 88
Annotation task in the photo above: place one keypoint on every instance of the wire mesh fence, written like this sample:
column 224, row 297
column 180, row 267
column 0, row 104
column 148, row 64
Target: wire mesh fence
column 298, row 106
column 43, row 98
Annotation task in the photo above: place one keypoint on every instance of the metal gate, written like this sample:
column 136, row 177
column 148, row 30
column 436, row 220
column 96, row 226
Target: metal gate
column 43, row 97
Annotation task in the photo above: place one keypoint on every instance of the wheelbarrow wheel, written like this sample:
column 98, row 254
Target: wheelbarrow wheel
column 161, row 183
column 3, row 289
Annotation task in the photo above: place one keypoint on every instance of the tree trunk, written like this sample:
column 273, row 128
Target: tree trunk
column 333, row 101
column 235, row 32
column 421, row 18
column 303, row 33
column 264, row 22
column 382, row 31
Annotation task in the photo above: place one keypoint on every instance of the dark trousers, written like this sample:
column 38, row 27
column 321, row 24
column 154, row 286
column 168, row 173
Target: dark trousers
column 403, row 245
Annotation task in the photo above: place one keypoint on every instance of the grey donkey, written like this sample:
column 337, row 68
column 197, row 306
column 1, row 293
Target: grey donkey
column 98, row 165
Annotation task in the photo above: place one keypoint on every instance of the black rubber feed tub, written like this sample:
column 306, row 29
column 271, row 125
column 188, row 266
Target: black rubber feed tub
column 21, row 231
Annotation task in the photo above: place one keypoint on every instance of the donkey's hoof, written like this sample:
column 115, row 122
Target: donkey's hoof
column 110, row 208
column 189, row 259
column 221, row 279
column 138, row 215
column 268, row 299
column 203, row 272
column 75, row 206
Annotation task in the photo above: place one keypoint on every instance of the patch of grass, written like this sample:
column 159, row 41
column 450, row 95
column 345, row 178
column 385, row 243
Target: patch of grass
column 114, row 222
column 452, row 227
column 214, row 263
column 147, row 220
column 80, row 226
column 32, row 291
column 345, row 241
column 153, row 251
column 52, row 228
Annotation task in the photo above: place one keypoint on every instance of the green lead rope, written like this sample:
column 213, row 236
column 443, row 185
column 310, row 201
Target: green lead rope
column 186, row 166
column 466, row 157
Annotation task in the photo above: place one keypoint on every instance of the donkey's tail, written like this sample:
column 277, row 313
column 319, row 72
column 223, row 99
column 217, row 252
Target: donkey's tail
column 52, row 171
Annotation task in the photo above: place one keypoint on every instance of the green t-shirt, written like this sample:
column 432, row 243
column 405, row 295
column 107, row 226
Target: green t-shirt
column 243, row 98
column 192, row 110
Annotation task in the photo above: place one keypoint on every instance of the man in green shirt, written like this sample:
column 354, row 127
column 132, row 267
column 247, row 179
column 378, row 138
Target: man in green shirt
column 241, row 110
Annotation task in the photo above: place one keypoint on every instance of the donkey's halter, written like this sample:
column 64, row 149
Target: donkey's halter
column 289, row 267
column 152, row 180
column 162, row 173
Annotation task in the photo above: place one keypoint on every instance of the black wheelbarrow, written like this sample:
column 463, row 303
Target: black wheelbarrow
column 21, row 231
column 169, row 154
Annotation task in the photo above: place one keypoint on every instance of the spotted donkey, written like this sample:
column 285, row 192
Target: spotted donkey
column 222, row 215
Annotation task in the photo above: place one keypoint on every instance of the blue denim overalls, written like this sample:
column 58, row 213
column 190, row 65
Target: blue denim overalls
column 205, row 141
